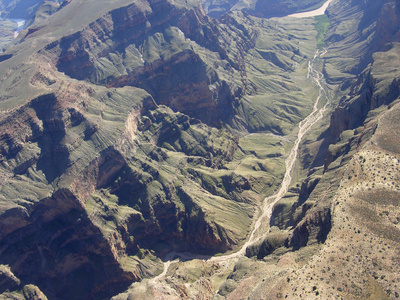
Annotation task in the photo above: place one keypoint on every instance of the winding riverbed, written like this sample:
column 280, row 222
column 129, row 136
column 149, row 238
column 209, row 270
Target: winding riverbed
column 269, row 202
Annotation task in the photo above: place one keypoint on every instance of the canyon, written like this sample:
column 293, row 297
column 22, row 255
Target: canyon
column 186, row 150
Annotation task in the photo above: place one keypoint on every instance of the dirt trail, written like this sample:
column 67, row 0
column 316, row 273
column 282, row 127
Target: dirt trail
column 269, row 202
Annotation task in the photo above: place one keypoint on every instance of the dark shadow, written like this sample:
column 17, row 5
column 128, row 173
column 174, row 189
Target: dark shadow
column 4, row 57
column 54, row 156
column 63, row 253
column 319, row 159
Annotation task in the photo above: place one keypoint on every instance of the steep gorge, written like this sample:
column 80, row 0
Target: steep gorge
column 149, row 131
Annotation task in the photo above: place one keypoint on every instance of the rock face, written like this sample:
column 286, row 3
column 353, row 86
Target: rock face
column 371, row 89
column 63, row 251
column 114, row 187
column 154, row 46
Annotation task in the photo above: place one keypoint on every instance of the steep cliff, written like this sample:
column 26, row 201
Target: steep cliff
column 175, row 53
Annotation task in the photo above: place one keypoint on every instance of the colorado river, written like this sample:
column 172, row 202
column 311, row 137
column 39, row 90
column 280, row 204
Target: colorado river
column 312, row 13
column 269, row 202
column 20, row 25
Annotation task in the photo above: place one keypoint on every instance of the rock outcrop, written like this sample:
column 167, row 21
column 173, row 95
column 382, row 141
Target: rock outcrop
column 349, row 123
column 155, row 46
column 63, row 253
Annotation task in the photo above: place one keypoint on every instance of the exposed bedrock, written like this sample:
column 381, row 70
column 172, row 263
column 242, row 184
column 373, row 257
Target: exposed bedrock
column 180, row 56
column 62, row 252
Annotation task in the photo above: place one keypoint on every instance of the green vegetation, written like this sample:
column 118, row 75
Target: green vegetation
column 321, row 25
column 279, row 93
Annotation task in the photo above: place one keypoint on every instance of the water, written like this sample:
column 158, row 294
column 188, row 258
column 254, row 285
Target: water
column 20, row 25
column 312, row 13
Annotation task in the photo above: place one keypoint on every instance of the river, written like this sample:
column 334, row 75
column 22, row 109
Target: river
column 20, row 25
column 312, row 13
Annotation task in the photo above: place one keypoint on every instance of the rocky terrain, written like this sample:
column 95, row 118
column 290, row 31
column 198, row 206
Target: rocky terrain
column 142, row 142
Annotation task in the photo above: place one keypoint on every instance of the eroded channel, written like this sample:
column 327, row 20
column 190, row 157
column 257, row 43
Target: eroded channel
column 268, row 203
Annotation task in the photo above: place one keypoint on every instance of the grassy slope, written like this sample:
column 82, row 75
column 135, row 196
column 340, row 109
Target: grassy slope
column 279, row 93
